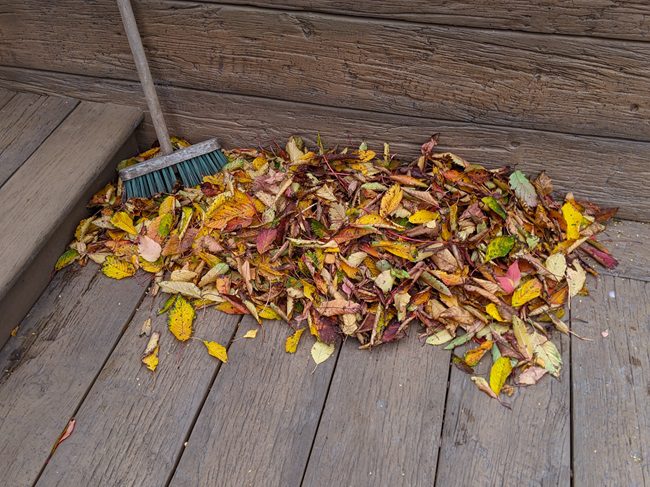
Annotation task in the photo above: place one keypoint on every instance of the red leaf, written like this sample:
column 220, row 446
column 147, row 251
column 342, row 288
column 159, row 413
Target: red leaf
column 265, row 239
column 603, row 258
column 427, row 147
column 510, row 281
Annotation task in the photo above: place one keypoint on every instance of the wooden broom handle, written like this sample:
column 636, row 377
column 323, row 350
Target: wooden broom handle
column 132, row 34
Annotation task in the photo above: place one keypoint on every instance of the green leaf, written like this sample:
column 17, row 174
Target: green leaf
column 499, row 247
column 523, row 189
column 459, row 340
column 494, row 205
column 318, row 228
column 165, row 225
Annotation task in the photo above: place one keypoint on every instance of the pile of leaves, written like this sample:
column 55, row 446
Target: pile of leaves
column 355, row 244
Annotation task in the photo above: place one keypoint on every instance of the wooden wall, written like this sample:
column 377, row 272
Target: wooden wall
column 562, row 86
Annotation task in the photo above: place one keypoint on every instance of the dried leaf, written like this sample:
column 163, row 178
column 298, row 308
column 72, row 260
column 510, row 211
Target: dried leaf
column 66, row 258
column 320, row 352
column 250, row 333
column 179, row 287
column 291, row 344
column 499, row 373
column 116, row 268
column 181, row 319
column 556, row 265
column 499, row 247
column 576, row 278
column 217, row 350
column 123, row 221
column 523, row 189
column 527, row 291
column 391, row 200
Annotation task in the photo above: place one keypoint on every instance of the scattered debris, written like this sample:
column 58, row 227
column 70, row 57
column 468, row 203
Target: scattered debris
column 357, row 244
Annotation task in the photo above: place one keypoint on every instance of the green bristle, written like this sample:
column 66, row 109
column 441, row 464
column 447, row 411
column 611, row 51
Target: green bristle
column 191, row 173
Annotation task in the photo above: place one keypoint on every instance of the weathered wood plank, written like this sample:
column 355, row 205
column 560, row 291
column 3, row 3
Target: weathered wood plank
column 77, row 322
column 486, row 444
column 257, row 425
column 132, row 425
column 5, row 96
column 625, row 20
column 629, row 243
column 567, row 84
column 37, row 198
column 238, row 120
column 383, row 417
column 611, row 411
column 25, row 122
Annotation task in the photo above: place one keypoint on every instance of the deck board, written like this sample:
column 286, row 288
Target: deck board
column 611, row 411
column 25, row 122
column 486, row 444
column 382, row 421
column 131, row 427
column 5, row 96
column 258, row 423
column 77, row 322
column 628, row 242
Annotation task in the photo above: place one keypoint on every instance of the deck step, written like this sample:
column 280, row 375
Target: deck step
column 65, row 151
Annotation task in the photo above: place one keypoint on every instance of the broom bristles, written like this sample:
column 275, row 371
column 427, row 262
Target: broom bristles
column 191, row 172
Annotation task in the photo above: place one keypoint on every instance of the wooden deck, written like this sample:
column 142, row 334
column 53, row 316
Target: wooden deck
column 399, row 415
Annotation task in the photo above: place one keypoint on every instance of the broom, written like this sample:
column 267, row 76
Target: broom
column 159, row 174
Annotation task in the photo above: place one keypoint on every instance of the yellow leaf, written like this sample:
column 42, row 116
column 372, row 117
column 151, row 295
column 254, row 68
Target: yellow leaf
column 391, row 200
column 443, row 336
column 67, row 258
column 474, row 356
column 524, row 340
column 423, row 216
column 500, row 371
column 268, row 313
column 573, row 219
column 186, row 218
column 375, row 220
column 527, row 291
column 151, row 360
column 259, row 162
column 167, row 206
column 217, row 350
column 400, row 249
column 123, row 221
column 308, row 289
column 251, row 333
column 291, row 344
column 179, row 287
column 83, row 227
column 366, row 155
column 152, row 267
column 116, row 268
column 493, row 311
column 181, row 317
column 320, row 352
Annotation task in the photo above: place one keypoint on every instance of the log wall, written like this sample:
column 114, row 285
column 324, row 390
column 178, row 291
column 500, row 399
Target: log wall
column 546, row 86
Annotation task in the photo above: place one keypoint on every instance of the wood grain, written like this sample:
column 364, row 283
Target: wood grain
column 38, row 198
column 5, row 96
column 486, row 444
column 611, row 411
column 132, row 425
column 248, row 121
column 629, row 19
column 576, row 85
column 258, row 423
column 628, row 242
column 77, row 322
column 25, row 122
column 382, row 420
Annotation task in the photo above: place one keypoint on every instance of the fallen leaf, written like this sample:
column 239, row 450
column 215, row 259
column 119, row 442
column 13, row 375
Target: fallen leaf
column 66, row 258
column 528, row 291
column 146, row 328
column 483, row 385
column 576, row 278
column 443, row 336
column 573, row 219
column 531, row 376
column 320, row 352
column 179, row 287
column 291, row 344
column 181, row 318
column 123, row 221
column 499, row 247
column 216, row 350
column 556, row 265
column 499, row 373
column 149, row 249
column 523, row 189
column 116, row 268
column 510, row 281
column 391, row 200
column 68, row 430
column 150, row 355
column 251, row 333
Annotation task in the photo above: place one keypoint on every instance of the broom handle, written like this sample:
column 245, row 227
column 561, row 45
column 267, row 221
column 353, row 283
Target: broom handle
column 132, row 34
